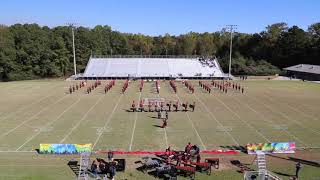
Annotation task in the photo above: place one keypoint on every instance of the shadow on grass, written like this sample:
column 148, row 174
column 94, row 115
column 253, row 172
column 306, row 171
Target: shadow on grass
column 310, row 163
column 153, row 117
column 302, row 161
column 238, row 148
column 240, row 165
column 282, row 174
column 73, row 165
column 157, row 126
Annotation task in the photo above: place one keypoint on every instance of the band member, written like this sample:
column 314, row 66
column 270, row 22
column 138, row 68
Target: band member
column 156, row 107
column 133, row 106
column 177, row 106
column 159, row 115
column 73, row 88
column 242, row 90
column 193, row 106
column 77, row 87
column 188, row 148
column 164, row 124
column 149, row 106
column 186, row 106
column 141, row 106
column 170, row 104
column 167, row 115
column 70, row 90
column 161, row 106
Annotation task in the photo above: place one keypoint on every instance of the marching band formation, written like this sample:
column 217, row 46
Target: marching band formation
column 161, row 106
column 222, row 86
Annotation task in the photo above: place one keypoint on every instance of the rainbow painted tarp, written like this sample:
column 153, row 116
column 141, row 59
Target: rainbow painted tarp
column 274, row 147
column 65, row 148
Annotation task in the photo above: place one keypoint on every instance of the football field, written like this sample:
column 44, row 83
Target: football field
column 43, row 111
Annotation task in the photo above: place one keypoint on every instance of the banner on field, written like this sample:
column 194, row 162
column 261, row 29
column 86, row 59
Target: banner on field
column 274, row 147
column 65, row 148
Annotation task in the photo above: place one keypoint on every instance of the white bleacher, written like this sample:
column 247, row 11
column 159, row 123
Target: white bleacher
column 152, row 67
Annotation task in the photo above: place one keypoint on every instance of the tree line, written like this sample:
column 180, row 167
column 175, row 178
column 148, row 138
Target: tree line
column 29, row 51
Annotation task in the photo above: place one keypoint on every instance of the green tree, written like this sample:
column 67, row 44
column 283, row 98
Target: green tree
column 7, row 53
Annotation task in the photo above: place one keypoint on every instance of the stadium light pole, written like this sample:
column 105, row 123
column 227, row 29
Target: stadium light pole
column 232, row 28
column 73, row 48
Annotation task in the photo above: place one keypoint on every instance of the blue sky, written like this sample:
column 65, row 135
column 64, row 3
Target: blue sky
column 163, row 16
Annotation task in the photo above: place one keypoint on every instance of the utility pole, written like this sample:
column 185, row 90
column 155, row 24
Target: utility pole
column 231, row 28
column 72, row 25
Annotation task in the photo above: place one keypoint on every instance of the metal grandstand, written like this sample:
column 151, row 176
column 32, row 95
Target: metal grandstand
column 152, row 67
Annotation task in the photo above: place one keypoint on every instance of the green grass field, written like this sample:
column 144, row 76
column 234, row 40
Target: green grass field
column 34, row 112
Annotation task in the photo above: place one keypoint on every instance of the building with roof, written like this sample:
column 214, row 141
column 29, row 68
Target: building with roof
column 304, row 72
column 152, row 67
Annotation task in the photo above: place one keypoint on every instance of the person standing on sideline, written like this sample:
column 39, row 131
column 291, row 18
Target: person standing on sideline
column 110, row 155
column 298, row 168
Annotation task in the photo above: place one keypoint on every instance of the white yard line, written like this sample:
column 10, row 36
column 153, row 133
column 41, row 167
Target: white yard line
column 134, row 125
column 245, row 122
column 295, row 121
column 166, row 137
column 107, row 122
column 48, row 124
column 303, row 113
column 29, row 119
column 195, row 130
column 267, row 120
column 79, row 122
column 220, row 124
column 290, row 134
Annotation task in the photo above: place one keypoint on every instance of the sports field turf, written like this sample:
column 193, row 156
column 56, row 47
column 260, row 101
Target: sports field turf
column 34, row 112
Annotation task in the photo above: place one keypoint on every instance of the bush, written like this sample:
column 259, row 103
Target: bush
column 243, row 66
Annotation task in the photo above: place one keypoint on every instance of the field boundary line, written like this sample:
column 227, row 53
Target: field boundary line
column 192, row 125
column 293, row 136
column 134, row 125
column 27, row 105
column 215, row 118
column 107, row 122
column 43, row 109
column 296, row 122
column 79, row 122
column 49, row 123
column 11, row 151
column 245, row 122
